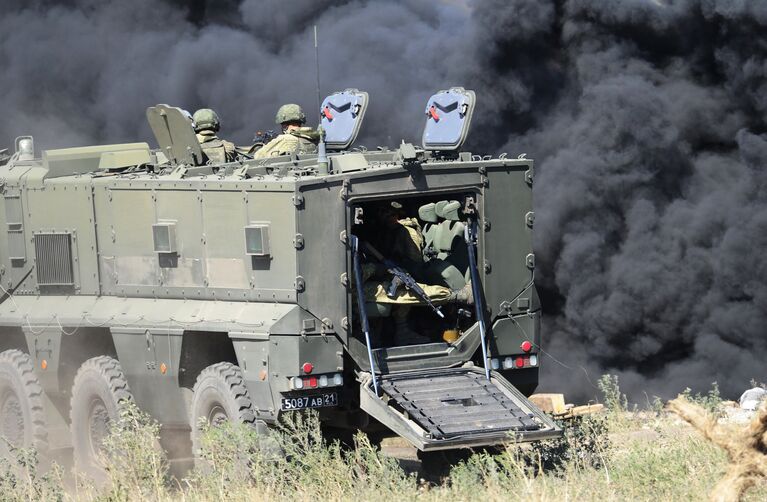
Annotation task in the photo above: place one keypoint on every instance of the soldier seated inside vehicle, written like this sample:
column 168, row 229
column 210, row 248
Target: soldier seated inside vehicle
column 393, row 274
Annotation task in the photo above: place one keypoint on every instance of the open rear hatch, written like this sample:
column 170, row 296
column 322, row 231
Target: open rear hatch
column 455, row 408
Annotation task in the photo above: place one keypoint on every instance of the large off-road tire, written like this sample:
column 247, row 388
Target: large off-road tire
column 22, row 417
column 219, row 395
column 100, row 391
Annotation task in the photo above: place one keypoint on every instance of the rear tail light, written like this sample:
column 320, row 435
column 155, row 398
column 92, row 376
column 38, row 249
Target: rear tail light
column 517, row 362
column 313, row 382
column 495, row 364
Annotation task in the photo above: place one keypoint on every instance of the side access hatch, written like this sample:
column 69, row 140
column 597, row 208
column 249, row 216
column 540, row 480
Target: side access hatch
column 455, row 408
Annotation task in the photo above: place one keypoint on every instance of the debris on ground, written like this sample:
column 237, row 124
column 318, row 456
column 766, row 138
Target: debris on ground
column 744, row 447
column 752, row 398
column 554, row 404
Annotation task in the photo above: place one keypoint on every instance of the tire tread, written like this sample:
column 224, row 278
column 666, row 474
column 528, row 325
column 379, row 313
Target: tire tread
column 33, row 393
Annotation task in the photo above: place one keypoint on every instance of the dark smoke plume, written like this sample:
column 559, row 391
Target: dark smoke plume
column 646, row 119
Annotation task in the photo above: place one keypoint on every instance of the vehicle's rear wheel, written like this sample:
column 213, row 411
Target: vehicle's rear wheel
column 219, row 396
column 99, row 393
column 22, row 417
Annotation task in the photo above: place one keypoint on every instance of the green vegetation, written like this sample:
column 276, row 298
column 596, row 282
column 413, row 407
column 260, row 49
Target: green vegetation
column 710, row 401
column 619, row 455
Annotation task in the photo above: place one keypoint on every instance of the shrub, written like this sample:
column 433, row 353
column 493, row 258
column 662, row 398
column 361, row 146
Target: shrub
column 585, row 443
column 615, row 400
column 135, row 463
column 710, row 401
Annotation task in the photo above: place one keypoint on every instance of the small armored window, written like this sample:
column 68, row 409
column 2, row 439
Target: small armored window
column 257, row 240
column 164, row 237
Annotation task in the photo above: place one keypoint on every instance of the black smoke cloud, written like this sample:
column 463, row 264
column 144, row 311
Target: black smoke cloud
column 646, row 118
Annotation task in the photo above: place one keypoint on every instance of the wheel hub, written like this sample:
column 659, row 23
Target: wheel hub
column 217, row 416
column 98, row 426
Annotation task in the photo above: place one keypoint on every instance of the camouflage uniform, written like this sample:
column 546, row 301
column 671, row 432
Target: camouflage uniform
column 206, row 124
column 375, row 290
column 217, row 150
column 301, row 140
column 410, row 243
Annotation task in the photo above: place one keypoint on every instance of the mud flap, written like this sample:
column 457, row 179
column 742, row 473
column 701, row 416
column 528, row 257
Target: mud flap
column 455, row 408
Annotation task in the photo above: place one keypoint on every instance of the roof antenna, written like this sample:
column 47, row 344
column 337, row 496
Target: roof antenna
column 322, row 158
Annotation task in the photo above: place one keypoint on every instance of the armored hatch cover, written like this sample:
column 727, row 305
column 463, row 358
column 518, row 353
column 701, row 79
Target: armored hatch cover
column 341, row 116
column 175, row 134
column 448, row 117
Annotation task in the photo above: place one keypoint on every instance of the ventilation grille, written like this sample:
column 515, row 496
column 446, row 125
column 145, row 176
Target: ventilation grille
column 53, row 253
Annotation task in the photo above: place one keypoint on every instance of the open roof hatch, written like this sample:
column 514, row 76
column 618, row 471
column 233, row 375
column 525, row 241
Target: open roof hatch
column 448, row 117
column 341, row 117
column 175, row 134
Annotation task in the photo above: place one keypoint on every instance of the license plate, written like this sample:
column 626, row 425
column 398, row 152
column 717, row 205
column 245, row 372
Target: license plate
column 323, row 400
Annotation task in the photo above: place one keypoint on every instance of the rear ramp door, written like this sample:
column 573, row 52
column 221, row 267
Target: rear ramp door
column 455, row 408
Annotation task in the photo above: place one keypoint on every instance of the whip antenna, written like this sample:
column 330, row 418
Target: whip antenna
column 317, row 61
column 323, row 166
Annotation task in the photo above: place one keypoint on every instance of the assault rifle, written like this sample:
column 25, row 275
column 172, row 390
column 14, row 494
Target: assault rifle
column 401, row 278
column 264, row 137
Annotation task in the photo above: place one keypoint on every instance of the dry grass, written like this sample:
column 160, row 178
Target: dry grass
column 622, row 456
column 745, row 447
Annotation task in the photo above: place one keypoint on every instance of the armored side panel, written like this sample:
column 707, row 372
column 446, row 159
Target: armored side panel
column 17, row 262
column 321, row 223
column 206, row 224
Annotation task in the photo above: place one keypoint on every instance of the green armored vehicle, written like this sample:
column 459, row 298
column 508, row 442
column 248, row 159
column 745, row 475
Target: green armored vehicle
column 229, row 291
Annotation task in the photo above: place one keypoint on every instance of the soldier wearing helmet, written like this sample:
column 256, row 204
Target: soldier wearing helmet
column 294, row 138
column 206, row 125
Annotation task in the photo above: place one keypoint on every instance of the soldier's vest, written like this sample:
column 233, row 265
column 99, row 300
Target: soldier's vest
column 214, row 148
column 215, row 151
column 297, row 141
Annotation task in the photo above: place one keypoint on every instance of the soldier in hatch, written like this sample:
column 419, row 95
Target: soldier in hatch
column 206, row 125
column 294, row 138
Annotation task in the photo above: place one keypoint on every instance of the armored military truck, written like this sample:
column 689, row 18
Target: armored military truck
column 229, row 291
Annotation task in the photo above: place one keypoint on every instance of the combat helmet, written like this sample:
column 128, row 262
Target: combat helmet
column 290, row 113
column 205, row 118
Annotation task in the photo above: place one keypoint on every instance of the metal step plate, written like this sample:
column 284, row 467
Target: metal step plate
column 457, row 403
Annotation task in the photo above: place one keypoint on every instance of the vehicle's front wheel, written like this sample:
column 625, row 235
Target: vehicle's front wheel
column 22, row 417
column 99, row 393
column 219, row 396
